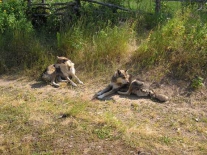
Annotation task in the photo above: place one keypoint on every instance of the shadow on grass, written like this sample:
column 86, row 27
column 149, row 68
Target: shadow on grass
column 134, row 97
column 39, row 84
column 130, row 97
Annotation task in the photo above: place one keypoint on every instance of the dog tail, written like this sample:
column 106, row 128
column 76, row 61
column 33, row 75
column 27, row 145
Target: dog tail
column 159, row 97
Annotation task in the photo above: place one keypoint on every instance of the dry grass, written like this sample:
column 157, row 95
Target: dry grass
column 31, row 123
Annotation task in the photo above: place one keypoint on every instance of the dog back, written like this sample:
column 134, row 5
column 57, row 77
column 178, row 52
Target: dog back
column 61, row 69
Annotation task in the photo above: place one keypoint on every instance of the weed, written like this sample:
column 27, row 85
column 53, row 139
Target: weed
column 166, row 140
column 103, row 132
column 197, row 82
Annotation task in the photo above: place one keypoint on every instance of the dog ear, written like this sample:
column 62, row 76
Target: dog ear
column 118, row 71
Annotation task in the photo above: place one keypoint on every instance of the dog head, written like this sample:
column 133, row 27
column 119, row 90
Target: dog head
column 65, row 60
column 121, row 77
column 61, row 60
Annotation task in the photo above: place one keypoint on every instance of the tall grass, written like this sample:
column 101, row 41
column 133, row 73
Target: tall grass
column 22, row 51
column 20, row 48
column 179, row 46
column 95, row 49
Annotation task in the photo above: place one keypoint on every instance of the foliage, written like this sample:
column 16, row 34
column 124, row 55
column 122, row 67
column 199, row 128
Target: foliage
column 20, row 47
column 179, row 45
column 13, row 16
column 95, row 41
column 117, row 2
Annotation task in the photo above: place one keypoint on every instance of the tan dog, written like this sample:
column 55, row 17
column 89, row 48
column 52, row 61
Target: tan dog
column 64, row 68
column 120, row 79
column 141, row 90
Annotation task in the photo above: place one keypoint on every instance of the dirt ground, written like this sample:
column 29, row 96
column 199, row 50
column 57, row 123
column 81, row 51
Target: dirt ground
column 172, row 88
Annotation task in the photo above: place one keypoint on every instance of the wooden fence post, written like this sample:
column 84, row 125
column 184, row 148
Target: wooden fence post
column 157, row 6
column 77, row 7
column 29, row 2
column 78, row 2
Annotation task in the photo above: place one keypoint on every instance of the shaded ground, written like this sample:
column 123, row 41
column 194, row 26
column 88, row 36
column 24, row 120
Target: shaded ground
column 176, row 127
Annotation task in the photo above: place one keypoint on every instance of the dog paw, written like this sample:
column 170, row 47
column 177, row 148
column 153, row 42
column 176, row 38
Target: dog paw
column 55, row 84
column 80, row 82
column 100, row 97
column 73, row 84
column 99, row 93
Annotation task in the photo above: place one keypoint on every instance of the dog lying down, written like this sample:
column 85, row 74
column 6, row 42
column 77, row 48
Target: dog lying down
column 122, row 79
column 119, row 80
column 64, row 68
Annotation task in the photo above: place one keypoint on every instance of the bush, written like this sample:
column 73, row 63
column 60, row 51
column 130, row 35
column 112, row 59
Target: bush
column 13, row 16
